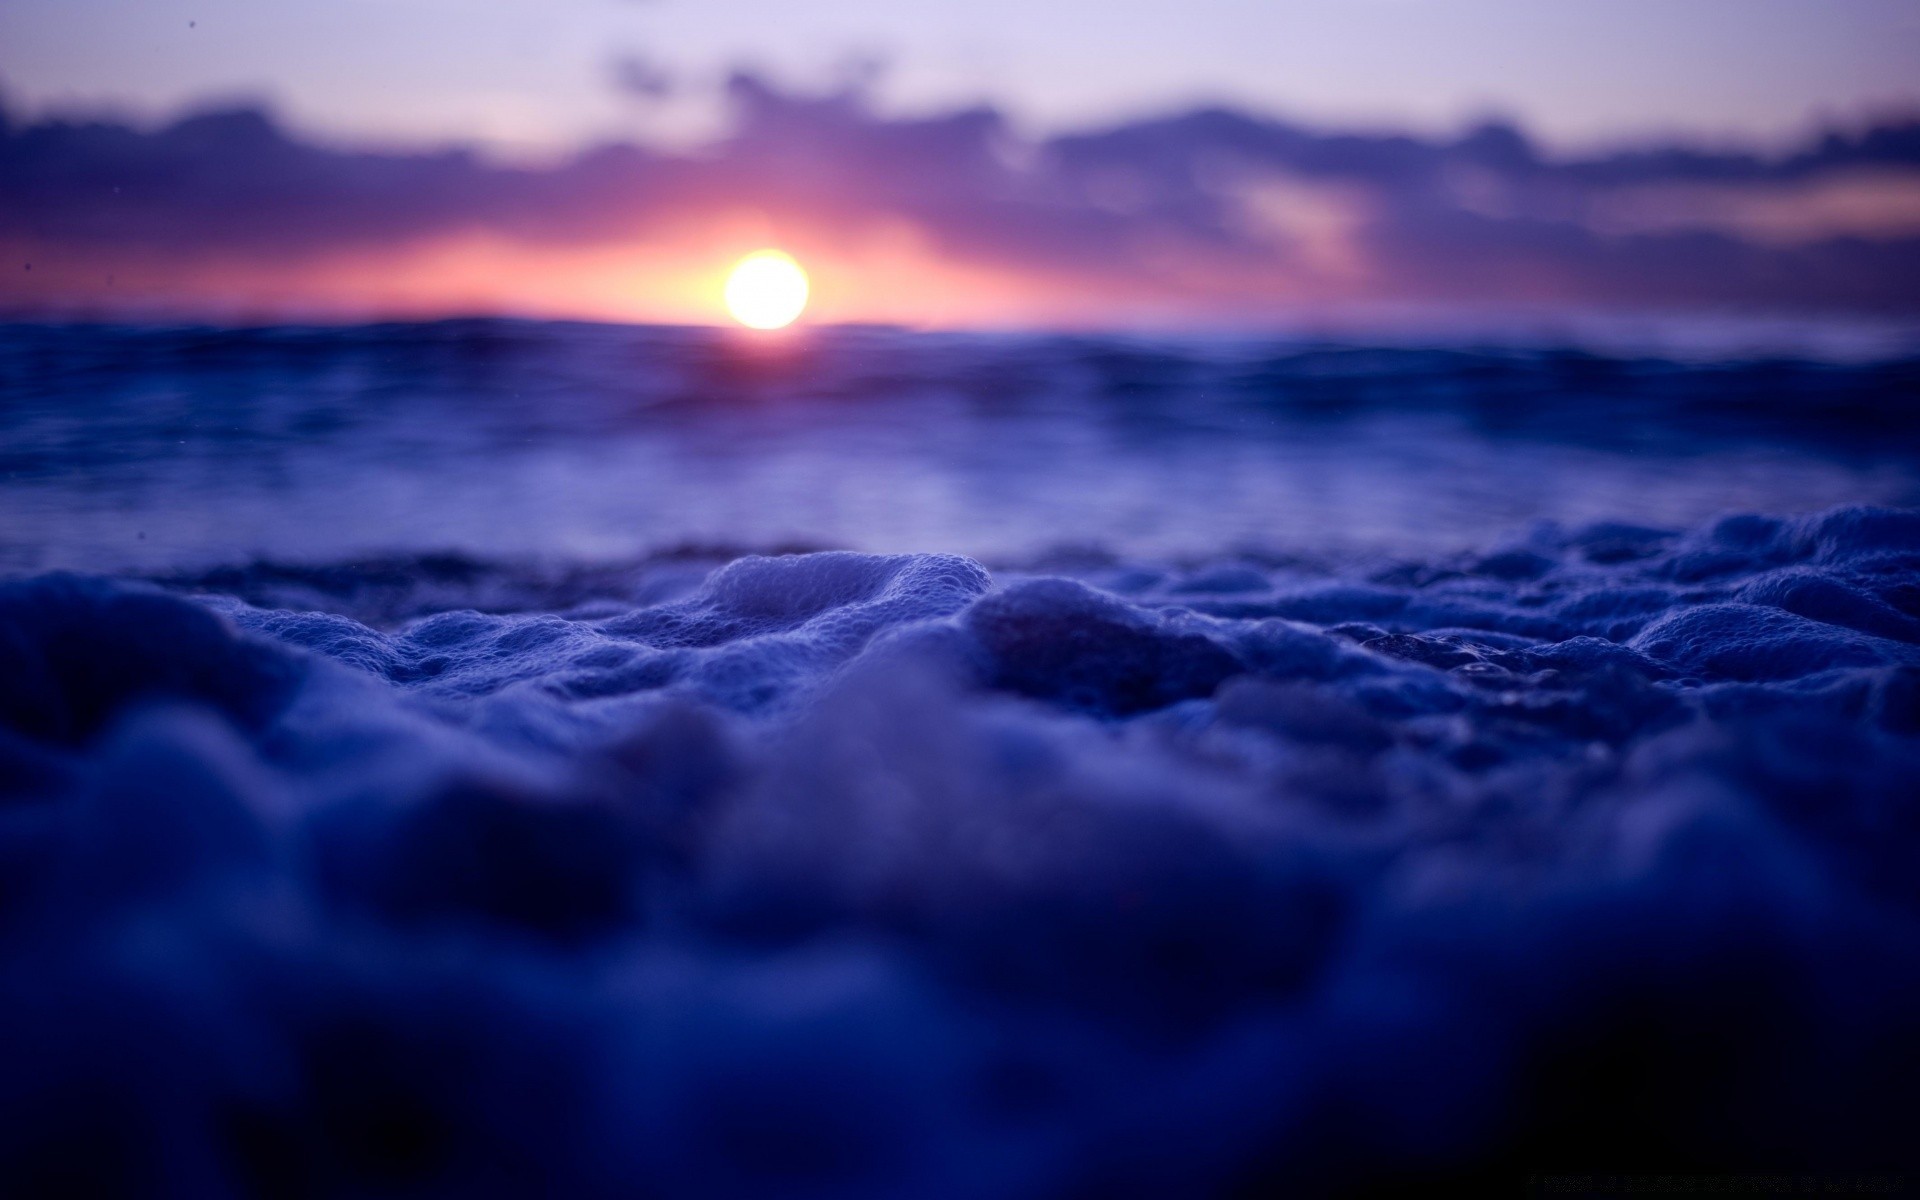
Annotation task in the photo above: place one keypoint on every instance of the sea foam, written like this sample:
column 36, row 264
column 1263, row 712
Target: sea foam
column 850, row 874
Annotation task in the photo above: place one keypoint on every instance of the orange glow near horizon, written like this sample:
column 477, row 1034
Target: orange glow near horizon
column 675, row 272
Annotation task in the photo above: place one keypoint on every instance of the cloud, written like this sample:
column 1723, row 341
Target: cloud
column 642, row 77
column 1213, row 214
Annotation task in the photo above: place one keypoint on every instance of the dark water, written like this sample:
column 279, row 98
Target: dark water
column 152, row 448
column 1260, row 769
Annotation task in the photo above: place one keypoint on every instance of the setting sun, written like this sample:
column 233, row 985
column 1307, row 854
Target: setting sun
column 767, row 290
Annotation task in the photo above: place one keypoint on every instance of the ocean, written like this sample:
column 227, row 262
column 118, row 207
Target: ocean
column 505, row 758
column 149, row 448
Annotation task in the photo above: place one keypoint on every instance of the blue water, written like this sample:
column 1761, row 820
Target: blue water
column 141, row 448
column 500, row 759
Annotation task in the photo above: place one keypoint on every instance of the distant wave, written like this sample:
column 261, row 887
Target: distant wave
column 153, row 449
column 885, row 875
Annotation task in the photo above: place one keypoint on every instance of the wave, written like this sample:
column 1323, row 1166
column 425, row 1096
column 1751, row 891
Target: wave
column 156, row 449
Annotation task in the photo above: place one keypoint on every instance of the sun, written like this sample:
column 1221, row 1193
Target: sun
column 767, row 290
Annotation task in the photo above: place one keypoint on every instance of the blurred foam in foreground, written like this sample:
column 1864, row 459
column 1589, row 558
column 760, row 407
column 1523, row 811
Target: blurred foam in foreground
column 845, row 874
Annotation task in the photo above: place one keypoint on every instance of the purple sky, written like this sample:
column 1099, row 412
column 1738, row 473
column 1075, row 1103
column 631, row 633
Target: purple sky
column 1206, row 216
column 960, row 164
column 539, row 75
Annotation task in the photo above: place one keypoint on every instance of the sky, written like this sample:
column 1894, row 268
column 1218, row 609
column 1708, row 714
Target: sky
column 970, row 164
column 534, row 76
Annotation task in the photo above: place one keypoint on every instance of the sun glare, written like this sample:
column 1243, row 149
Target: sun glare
column 767, row 290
